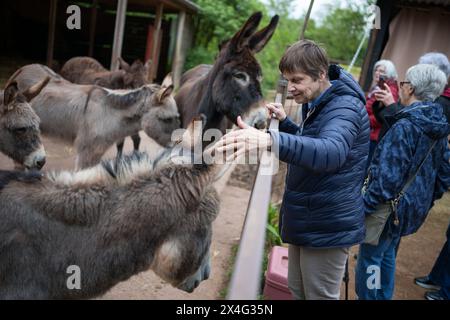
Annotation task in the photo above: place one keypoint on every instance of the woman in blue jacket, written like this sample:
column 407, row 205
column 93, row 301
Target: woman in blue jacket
column 396, row 159
column 322, row 212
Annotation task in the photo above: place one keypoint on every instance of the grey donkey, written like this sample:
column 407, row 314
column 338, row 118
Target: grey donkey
column 94, row 118
column 19, row 125
column 111, row 221
column 87, row 70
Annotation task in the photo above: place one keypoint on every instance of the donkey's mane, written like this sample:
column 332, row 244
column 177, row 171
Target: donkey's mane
column 109, row 172
column 123, row 99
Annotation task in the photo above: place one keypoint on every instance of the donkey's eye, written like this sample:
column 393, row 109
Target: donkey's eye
column 19, row 130
column 166, row 120
column 240, row 75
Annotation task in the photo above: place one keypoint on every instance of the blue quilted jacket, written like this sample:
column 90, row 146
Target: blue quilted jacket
column 398, row 156
column 322, row 204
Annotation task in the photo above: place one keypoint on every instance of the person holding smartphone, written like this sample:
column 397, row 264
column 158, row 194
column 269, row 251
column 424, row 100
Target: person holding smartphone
column 384, row 78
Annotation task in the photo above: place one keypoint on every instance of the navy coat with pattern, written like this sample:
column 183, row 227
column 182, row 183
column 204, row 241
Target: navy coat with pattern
column 322, row 204
column 399, row 154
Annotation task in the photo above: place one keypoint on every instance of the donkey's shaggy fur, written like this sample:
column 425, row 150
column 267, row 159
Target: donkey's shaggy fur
column 112, row 221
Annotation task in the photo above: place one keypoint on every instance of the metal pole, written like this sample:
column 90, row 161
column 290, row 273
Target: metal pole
column 366, row 34
column 118, row 33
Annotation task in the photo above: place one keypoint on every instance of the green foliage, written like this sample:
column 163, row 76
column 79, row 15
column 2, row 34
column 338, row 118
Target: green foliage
column 273, row 236
column 341, row 32
column 218, row 21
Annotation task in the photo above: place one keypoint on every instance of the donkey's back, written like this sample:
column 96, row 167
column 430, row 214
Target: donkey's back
column 76, row 69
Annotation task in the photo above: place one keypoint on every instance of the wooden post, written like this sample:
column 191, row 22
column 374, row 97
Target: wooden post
column 51, row 32
column 156, row 41
column 92, row 26
column 305, row 23
column 176, row 66
column 118, row 33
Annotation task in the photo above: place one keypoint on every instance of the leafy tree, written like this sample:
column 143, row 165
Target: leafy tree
column 341, row 31
column 218, row 21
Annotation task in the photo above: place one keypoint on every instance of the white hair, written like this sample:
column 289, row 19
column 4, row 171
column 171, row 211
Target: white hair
column 438, row 59
column 427, row 80
column 390, row 71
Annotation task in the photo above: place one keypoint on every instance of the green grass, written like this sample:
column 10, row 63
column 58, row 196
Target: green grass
column 224, row 291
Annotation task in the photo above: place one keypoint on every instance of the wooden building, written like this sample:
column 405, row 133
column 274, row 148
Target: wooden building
column 36, row 31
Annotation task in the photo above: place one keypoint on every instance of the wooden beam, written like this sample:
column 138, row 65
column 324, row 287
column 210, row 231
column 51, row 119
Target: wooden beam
column 51, row 32
column 305, row 23
column 118, row 33
column 156, row 42
column 92, row 26
column 177, row 58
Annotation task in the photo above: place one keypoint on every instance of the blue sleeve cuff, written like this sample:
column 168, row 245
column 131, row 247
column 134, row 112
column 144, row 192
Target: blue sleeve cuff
column 288, row 126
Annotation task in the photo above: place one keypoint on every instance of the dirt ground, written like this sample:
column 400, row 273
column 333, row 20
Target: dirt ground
column 416, row 255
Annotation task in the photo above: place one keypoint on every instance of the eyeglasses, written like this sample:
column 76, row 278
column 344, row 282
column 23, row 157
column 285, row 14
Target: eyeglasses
column 402, row 83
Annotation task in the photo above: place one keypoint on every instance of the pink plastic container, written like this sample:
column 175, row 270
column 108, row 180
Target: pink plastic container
column 276, row 286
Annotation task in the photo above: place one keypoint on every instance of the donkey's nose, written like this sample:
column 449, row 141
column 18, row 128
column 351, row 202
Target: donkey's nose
column 40, row 163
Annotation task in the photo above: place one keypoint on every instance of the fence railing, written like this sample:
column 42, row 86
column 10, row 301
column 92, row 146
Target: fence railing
column 246, row 278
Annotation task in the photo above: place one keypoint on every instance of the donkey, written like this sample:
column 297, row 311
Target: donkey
column 19, row 125
column 231, row 87
column 86, row 70
column 93, row 117
column 110, row 222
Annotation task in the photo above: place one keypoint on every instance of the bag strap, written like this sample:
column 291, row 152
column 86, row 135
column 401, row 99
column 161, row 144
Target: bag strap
column 413, row 176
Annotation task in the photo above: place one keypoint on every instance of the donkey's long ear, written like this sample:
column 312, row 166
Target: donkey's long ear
column 259, row 40
column 123, row 65
column 168, row 81
column 239, row 40
column 10, row 94
column 34, row 90
column 147, row 65
column 164, row 92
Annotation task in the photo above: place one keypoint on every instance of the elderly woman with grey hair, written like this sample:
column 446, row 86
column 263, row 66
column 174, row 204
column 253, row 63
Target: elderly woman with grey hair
column 384, row 78
column 441, row 61
column 409, row 171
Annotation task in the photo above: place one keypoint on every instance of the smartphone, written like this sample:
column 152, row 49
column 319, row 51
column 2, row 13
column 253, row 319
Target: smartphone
column 381, row 82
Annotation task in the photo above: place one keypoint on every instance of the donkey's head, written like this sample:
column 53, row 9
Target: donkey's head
column 19, row 125
column 235, row 81
column 135, row 75
column 163, row 117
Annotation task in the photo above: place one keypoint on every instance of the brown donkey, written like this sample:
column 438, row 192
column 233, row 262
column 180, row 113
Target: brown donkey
column 94, row 118
column 19, row 125
column 86, row 70
column 110, row 222
column 231, row 87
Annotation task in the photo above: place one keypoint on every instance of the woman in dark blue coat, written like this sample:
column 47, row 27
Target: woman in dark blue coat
column 322, row 212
